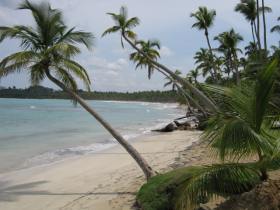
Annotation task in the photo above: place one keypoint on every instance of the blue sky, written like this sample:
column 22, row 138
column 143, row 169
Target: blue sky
column 167, row 21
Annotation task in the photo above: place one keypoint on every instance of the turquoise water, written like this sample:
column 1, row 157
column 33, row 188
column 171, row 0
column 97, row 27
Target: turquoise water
column 34, row 132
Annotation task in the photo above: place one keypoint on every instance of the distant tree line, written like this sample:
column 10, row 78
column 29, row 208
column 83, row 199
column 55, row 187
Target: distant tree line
column 40, row 92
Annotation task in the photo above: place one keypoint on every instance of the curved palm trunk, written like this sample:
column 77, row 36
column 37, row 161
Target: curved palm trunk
column 184, row 93
column 212, row 55
column 148, row 171
column 203, row 98
column 264, row 27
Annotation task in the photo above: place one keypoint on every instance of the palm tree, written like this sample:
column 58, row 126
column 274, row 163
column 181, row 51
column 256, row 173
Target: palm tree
column 204, row 20
column 124, row 25
column 251, row 49
column 249, row 9
column 276, row 28
column 48, row 50
column 193, row 74
column 204, row 61
column 265, row 9
column 150, row 48
column 240, row 130
column 228, row 45
column 258, row 24
column 171, row 81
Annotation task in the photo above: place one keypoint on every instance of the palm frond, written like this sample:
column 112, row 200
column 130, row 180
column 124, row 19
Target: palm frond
column 215, row 180
column 111, row 30
column 78, row 71
column 16, row 62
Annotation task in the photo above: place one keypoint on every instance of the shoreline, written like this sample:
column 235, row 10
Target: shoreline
column 105, row 180
column 56, row 152
column 111, row 100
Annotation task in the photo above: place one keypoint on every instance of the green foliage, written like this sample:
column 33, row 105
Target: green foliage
column 241, row 128
column 171, row 81
column 158, row 192
column 150, row 48
column 204, row 18
column 185, row 188
column 122, row 25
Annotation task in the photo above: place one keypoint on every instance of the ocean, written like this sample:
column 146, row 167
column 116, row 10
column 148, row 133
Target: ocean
column 35, row 132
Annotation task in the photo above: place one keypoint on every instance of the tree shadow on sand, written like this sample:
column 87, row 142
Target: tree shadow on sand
column 10, row 193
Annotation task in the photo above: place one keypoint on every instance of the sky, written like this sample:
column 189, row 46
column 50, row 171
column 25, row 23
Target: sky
column 108, row 64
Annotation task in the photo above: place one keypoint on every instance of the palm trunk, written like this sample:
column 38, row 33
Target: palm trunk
column 264, row 27
column 256, row 32
column 187, row 96
column 148, row 171
column 236, row 68
column 203, row 98
column 253, row 35
column 212, row 55
column 258, row 25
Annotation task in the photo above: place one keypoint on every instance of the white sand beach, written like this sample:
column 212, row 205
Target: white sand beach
column 102, row 181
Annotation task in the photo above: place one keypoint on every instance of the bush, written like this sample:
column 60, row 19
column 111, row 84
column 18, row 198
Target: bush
column 159, row 192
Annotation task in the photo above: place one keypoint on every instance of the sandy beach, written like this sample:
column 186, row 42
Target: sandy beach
column 105, row 180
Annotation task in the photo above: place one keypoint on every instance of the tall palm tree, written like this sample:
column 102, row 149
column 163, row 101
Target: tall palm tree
column 228, row 45
column 204, row 20
column 150, row 48
column 249, row 9
column 48, row 50
column 258, row 24
column 124, row 25
column 265, row 9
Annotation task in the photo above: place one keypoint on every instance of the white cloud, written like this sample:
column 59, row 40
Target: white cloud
column 166, row 52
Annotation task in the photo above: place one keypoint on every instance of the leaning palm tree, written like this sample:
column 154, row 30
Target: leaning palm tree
column 228, row 45
column 48, row 50
column 204, row 20
column 150, row 48
column 124, row 26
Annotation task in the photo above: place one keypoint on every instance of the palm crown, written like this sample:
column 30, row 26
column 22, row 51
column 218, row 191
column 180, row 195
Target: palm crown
column 48, row 47
column 123, row 24
column 204, row 18
column 150, row 48
column 248, row 8
column 171, row 81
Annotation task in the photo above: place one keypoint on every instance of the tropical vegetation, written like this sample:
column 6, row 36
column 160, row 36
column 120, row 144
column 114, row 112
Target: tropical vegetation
column 239, row 96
